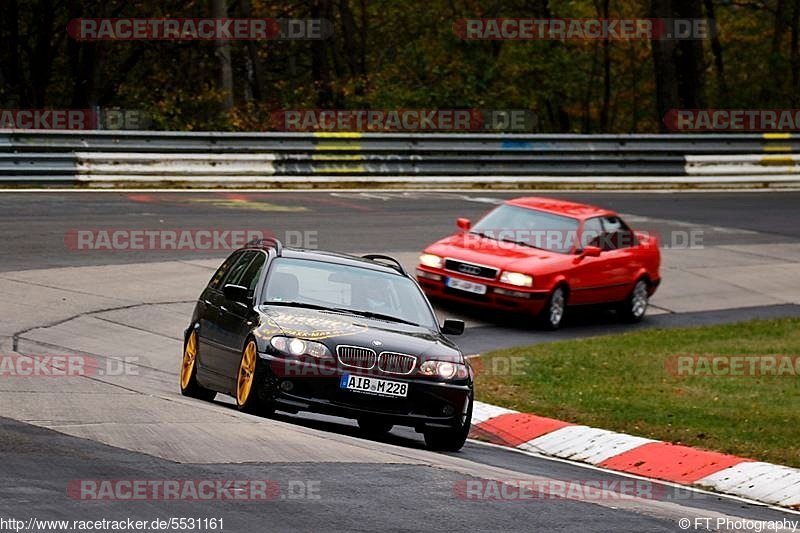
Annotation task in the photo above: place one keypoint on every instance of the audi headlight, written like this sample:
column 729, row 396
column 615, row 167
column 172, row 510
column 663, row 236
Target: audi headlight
column 430, row 260
column 444, row 369
column 294, row 346
column 517, row 278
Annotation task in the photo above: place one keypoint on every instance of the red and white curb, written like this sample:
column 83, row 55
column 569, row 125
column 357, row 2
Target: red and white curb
column 763, row 482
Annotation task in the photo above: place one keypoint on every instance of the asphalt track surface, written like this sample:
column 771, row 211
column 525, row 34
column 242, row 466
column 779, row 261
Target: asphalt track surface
column 408, row 488
column 33, row 225
column 39, row 463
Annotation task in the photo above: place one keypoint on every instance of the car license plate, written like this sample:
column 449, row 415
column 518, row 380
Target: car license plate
column 370, row 385
column 464, row 285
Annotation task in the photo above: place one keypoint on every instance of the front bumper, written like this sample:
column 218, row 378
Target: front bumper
column 294, row 385
column 498, row 296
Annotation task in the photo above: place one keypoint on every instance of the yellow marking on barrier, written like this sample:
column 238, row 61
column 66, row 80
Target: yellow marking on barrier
column 778, row 160
column 339, row 169
column 337, row 157
column 338, row 134
column 341, row 145
column 777, row 148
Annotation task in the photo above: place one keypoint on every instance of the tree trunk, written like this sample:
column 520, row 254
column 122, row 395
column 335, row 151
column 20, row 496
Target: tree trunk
column 719, row 63
column 10, row 71
column 320, row 66
column 219, row 9
column 795, row 55
column 42, row 58
column 255, row 78
column 606, row 75
column 679, row 64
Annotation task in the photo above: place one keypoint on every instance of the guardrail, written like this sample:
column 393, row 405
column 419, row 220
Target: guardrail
column 102, row 158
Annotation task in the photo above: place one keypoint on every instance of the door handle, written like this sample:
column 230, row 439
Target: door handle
column 223, row 308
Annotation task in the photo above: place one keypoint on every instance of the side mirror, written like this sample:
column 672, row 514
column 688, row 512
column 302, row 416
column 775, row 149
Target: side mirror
column 236, row 293
column 463, row 223
column 452, row 326
column 591, row 251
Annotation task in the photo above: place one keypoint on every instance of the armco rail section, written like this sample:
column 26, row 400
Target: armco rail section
column 124, row 159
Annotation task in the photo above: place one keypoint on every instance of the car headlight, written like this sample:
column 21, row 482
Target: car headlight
column 294, row 346
column 430, row 260
column 444, row 369
column 517, row 278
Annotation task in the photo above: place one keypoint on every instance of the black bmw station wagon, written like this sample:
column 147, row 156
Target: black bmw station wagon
column 300, row 330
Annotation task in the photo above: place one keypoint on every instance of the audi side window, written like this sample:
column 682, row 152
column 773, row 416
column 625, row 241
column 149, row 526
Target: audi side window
column 618, row 234
column 250, row 277
column 216, row 280
column 592, row 233
column 239, row 268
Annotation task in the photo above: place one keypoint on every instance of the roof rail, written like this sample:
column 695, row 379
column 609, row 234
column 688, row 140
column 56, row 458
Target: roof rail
column 265, row 242
column 395, row 263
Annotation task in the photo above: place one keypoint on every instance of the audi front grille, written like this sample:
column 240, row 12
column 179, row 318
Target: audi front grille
column 470, row 269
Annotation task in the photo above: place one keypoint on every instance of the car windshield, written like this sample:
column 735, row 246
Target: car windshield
column 345, row 288
column 529, row 227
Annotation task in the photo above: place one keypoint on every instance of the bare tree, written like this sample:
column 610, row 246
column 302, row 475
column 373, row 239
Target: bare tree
column 219, row 9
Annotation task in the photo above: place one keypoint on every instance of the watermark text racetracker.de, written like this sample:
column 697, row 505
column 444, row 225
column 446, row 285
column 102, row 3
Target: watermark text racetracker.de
column 732, row 365
column 357, row 120
column 75, row 119
column 196, row 239
column 569, row 29
column 198, row 29
column 755, row 120
column 524, row 490
column 196, row 490
column 66, row 366
column 567, row 239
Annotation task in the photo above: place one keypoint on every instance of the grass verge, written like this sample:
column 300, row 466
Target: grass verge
column 631, row 383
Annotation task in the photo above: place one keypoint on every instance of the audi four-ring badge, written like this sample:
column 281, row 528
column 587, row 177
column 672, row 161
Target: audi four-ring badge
column 298, row 330
column 534, row 257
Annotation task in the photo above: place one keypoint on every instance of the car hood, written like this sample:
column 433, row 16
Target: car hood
column 489, row 252
column 333, row 328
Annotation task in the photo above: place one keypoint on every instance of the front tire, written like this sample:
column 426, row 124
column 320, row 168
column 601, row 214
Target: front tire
column 552, row 315
column 250, row 375
column 634, row 307
column 451, row 440
column 188, row 379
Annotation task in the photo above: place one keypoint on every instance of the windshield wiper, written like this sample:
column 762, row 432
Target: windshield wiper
column 370, row 314
column 523, row 243
column 344, row 310
column 298, row 304
column 505, row 239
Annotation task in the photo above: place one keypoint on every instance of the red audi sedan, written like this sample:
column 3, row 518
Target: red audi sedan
column 538, row 256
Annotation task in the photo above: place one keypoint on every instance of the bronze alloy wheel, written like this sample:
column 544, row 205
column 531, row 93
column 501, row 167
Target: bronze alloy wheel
column 189, row 385
column 189, row 356
column 247, row 370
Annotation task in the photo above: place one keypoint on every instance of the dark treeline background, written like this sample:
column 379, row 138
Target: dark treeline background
column 403, row 54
